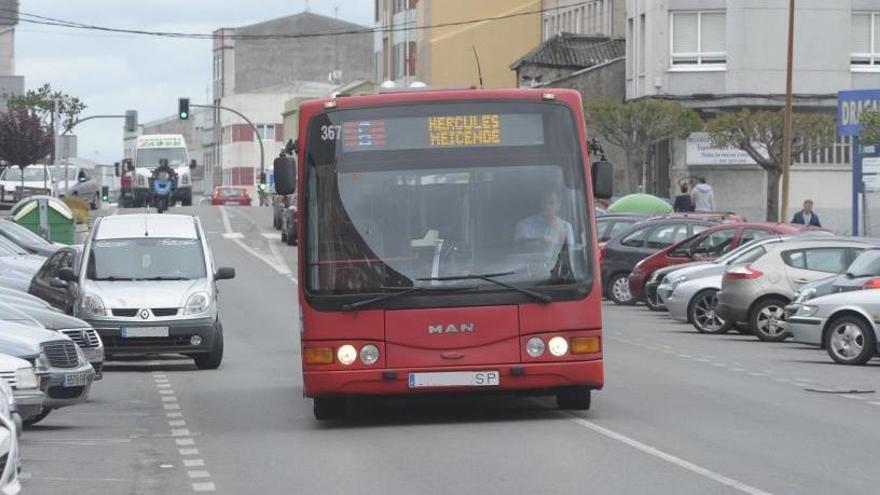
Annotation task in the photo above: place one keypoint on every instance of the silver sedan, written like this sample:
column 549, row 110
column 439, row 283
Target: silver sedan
column 844, row 324
column 694, row 301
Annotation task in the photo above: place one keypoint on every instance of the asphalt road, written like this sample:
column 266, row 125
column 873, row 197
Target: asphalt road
column 681, row 413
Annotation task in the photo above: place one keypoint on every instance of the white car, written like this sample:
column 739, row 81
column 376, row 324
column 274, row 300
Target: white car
column 32, row 177
column 10, row 456
column 22, row 378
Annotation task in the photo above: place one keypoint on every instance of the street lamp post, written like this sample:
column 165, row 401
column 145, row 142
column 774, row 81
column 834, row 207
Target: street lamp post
column 787, row 131
column 256, row 131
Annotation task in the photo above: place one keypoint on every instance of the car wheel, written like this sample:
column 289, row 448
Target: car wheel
column 850, row 340
column 618, row 289
column 326, row 408
column 703, row 313
column 212, row 360
column 766, row 320
column 574, row 399
column 652, row 303
column 36, row 419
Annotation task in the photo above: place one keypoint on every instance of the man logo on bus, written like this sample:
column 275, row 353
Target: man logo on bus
column 440, row 329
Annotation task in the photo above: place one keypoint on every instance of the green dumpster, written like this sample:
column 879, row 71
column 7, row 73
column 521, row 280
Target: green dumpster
column 47, row 217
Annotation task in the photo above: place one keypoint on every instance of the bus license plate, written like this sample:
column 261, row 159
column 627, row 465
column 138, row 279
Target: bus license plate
column 76, row 380
column 455, row 379
column 143, row 332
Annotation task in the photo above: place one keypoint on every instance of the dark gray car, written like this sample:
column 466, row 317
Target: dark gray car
column 26, row 239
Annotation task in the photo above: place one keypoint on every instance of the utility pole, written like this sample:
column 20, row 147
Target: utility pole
column 56, row 136
column 787, row 131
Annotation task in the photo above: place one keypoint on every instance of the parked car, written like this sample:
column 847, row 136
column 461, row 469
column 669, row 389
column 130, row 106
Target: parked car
column 609, row 225
column 17, row 266
column 150, row 287
column 26, row 239
column 19, row 298
column 288, row 226
column 48, row 287
column 841, row 323
column 230, row 195
column 78, row 181
column 10, row 457
column 22, row 378
column 705, row 246
column 85, row 337
column 758, row 292
column 691, row 296
column 32, row 177
column 66, row 373
column 621, row 254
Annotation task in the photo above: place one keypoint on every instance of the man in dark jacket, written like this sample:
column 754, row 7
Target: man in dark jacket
column 807, row 216
column 683, row 202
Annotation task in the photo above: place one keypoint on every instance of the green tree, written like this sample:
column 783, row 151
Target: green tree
column 637, row 126
column 24, row 139
column 759, row 133
column 41, row 101
column 870, row 120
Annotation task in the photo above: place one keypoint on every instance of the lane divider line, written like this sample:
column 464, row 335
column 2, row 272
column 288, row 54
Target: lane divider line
column 281, row 268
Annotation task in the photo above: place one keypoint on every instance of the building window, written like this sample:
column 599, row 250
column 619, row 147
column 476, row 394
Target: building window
column 865, row 34
column 642, row 45
column 267, row 131
column 218, row 67
column 698, row 38
column 630, row 49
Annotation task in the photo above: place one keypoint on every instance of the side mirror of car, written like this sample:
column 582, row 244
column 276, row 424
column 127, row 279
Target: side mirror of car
column 285, row 175
column 193, row 164
column 224, row 273
column 67, row 275
column 603, row 179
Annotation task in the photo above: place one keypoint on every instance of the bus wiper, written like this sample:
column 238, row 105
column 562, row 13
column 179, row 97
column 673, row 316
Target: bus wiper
column 491, row 278
column 402, row 291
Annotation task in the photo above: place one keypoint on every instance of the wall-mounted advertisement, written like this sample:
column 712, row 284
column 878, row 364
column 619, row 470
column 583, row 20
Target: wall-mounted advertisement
column 702, row 151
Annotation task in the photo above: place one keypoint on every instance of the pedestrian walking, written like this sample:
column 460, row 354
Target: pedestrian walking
column 703, row 196
column 683, row 202
column 807, row 216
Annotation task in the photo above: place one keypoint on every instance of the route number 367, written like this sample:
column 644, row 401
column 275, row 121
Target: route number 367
column 331, row 132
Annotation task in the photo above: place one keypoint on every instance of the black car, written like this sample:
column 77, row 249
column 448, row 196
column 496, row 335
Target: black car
column 610, row 225
column 25, row 239
column 621, row 254
column 280, row 203
column 47, row 286
column 288, row 225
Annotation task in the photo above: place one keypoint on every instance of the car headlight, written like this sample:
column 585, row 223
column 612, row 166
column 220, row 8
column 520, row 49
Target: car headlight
column 26, row 378
column 677, row 281
column 92, row 305
column 806, row 295
column 806, row 310
column 197, row 303
column 42, row 362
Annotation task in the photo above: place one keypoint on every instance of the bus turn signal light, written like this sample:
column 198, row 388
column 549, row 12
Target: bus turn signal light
column 586, row 345
column 318, row 355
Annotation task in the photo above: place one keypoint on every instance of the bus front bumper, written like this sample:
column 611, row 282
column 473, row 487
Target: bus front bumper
column 539, row 378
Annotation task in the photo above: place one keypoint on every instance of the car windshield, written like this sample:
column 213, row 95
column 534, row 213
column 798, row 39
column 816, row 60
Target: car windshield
column 146, row 259
column 866, row 264
column 30, row 174
column 407, row 194
column 149, row 157
column 20, row 234
column 9, row 248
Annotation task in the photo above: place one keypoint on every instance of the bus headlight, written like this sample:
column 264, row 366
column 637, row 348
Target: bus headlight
column 346, row 354
column 369, row 354
column 535, row 347
column 558, row 346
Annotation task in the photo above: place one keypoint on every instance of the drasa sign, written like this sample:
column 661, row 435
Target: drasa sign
column 850, row 105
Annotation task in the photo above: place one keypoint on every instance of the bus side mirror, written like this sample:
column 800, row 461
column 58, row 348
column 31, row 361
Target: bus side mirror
column 285, row 175
column 603, row 179
column 193, row 164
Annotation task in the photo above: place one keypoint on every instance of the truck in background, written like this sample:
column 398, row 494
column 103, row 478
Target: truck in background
column 135, row 174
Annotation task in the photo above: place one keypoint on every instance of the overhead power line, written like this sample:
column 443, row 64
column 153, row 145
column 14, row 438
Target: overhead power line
column 62, row 23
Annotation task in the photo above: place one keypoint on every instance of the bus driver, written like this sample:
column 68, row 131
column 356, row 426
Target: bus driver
column 546, row 231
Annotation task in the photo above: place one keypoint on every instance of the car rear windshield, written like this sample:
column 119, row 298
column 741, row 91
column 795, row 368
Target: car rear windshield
column 866, row 265
column 230, row 192
column 146, row 259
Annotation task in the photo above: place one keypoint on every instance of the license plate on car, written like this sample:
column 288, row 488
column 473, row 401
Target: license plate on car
column 455, row 379
column 143, row 332
column 76, row 380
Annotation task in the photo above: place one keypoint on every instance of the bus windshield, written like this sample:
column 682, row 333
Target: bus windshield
column 399, row 197
column 149, row 157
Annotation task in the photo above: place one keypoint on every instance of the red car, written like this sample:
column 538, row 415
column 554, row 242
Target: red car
column 230, row 195
column 705, row 246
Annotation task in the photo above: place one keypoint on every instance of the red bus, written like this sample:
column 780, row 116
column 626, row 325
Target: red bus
column 446, row 245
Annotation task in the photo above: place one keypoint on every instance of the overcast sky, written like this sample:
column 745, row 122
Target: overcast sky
column 112, row 73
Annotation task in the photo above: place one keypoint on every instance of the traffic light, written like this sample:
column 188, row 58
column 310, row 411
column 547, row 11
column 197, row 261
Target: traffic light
column 262, row 177
column 105, row 194
column 183, row 108
column 131, row 121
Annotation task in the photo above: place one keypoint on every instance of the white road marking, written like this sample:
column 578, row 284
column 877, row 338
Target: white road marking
column 177, row 423
column 174, row 415
column 169, row 399
column 198, row 474
column 720, row 365
column 874, row 403
column 194, row 462
column 277, row 265
column 204, row 487
column 163, row 385
column 854, row 397
column 271, row 235
column 737, row 370
column 652, row 451
column 755, row 373
column 171, row 407
column 184, row 442
column 166, row 391
column 180, row 432
column 189, row 451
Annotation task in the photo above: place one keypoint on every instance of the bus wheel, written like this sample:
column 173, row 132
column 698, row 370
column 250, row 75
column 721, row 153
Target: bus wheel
column 574, row 398
column 326, row 408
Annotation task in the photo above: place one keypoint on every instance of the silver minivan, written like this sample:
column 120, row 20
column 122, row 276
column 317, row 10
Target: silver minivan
column 147, row 284
column 758, row 292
